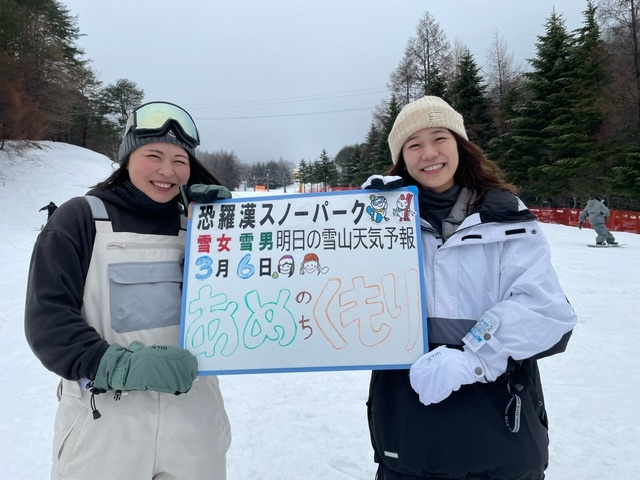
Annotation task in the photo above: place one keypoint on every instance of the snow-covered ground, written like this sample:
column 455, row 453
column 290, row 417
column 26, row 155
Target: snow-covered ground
column 312, row 426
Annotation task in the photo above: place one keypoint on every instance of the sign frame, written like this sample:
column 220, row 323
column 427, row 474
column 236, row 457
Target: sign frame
column 221, row 322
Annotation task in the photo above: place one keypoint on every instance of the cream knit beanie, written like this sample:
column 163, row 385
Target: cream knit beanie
column 426, row 112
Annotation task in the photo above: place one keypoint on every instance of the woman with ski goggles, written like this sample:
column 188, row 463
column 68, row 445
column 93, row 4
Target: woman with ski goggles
column 107, row 320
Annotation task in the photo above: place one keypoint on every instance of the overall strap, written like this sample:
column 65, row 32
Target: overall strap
column 99, row 213
column 98, row 210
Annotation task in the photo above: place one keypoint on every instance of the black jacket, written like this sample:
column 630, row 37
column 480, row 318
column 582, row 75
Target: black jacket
column 50, row 208
column 54, row 326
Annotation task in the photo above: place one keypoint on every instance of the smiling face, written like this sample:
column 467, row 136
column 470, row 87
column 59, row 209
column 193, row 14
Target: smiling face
column 285, row 266
column 158, row 169
column 310, row 266
column 431, row 157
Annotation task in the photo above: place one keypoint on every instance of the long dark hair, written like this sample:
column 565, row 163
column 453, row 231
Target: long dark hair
column 199, row 174
column 475, row 171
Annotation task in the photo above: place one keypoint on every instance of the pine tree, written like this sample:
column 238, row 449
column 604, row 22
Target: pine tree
column 469, row 98
column 345, row 163
column 381, row 152
column 437, row 84
column 39, row 62
column 368, row 152
column 304, row 171
column 356, row 174
column 529, row 142
column 621, row 23
column 325, row 171
column 576, row 141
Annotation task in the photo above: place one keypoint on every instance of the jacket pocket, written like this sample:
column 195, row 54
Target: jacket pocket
column 524, row 385
column 67, row 435
column 144, row 295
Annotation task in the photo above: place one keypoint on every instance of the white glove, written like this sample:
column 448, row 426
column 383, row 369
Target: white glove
column 440, row 372
column 380, row 182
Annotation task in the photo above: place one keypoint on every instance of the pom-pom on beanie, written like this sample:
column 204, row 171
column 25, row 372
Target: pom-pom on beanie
column 426, row 112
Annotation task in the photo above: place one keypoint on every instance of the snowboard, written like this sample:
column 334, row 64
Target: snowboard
column 606, row 245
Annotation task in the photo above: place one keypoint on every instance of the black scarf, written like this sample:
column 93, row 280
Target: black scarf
column 140, row 201
column 435, row 207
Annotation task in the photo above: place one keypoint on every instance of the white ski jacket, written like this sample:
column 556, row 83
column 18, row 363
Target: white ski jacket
column 492, row 265
column 500, row 272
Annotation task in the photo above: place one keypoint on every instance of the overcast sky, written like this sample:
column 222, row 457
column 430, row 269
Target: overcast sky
column 271, row 79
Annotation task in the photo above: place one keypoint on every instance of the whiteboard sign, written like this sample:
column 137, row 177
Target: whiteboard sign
column 326, row 281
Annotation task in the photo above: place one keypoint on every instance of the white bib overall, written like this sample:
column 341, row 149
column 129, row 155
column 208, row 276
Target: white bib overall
column 133, row 292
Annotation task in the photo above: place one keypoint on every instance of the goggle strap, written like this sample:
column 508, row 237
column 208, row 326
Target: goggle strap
column 169, row 126
column 145, row 121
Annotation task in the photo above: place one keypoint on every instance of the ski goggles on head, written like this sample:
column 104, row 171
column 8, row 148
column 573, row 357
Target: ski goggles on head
column 157, row 118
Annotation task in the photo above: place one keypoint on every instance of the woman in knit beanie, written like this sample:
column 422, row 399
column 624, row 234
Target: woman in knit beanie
column 167, row 132
column 471, row 407
column 103, row 311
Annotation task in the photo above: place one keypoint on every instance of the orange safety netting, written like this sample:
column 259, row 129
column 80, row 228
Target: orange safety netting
column 620, row 220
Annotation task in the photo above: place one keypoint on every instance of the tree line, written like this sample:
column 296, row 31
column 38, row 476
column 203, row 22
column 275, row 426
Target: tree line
column 48, row 89
column 562, row 129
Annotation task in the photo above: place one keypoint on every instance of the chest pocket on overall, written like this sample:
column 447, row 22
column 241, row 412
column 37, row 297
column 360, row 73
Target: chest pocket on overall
column 144, row 295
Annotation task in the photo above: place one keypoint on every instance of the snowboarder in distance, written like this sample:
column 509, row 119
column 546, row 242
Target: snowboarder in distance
column 598, row 214
column 50, row 208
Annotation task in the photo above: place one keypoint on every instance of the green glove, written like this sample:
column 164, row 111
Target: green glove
column 201, row 193
column 161, row 368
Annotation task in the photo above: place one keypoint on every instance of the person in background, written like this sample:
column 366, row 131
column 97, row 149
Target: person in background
column 472, row 407
column 103, row 308
column 50, row 208
column 598, row 215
